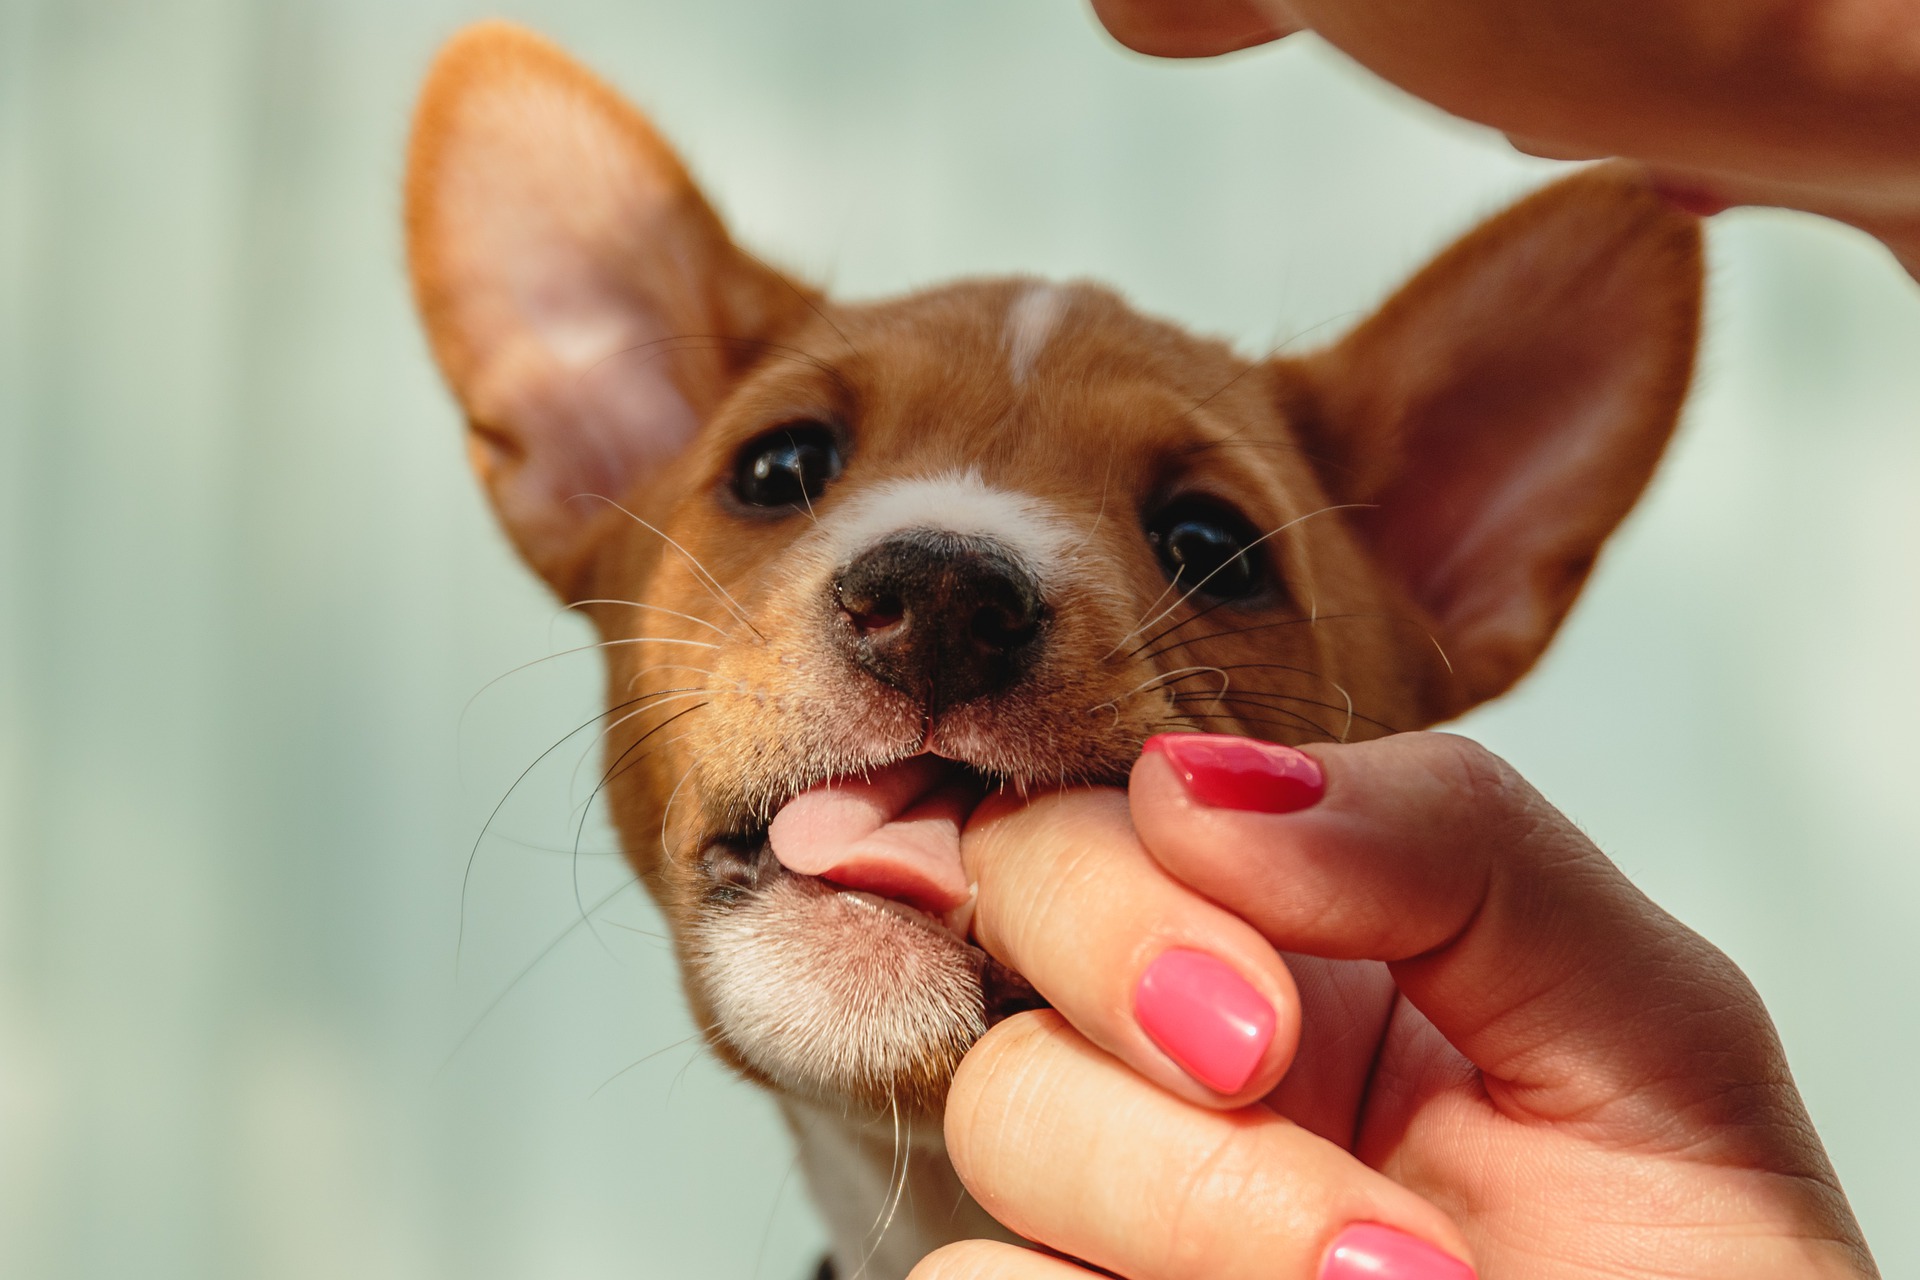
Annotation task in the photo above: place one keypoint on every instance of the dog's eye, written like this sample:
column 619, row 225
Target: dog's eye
column 1207, row 546
column 787, row 467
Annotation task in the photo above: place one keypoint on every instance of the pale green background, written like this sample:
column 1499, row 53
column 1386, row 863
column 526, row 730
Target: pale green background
column 246, row 591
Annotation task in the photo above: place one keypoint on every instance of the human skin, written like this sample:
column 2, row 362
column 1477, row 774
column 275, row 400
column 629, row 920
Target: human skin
column 1485, row 1038
column 1806, row 104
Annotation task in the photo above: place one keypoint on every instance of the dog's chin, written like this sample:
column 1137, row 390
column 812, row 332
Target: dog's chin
column 843, row 998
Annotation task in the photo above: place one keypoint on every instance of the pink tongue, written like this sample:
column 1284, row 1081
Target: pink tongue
column 895, row 833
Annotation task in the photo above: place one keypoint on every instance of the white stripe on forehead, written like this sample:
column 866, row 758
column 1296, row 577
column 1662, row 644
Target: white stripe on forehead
column 955, row 502
column 1031, row 320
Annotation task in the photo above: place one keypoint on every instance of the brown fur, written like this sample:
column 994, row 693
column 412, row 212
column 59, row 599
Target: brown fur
column 1423, row 570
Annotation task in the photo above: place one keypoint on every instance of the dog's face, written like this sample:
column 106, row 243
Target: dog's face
column 858, row 565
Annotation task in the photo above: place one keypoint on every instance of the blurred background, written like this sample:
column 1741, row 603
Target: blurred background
column 251, row 606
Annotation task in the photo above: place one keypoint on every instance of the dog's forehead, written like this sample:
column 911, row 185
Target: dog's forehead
column 1020, row 329
column 992, row 371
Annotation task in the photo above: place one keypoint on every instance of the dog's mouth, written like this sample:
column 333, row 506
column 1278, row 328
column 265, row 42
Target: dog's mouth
column 885, row 840
column 888, row 835
column 892, row 832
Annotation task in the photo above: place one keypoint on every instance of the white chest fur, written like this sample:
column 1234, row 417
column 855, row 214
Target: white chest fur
column 888, row 1199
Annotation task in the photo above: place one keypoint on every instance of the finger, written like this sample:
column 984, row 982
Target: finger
column 1066, row 1146
column 992, row 1260
column 1705, row 192
column 1345, row 1009
column 1149, row 970
column 1501, row 922
column 1191, row 28
column 1551, row 149
column 1669, row 81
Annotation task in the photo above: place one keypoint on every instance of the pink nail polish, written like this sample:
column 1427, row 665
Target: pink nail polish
column 1369, row 1251
column 1687, row 198
column 1227, row 772
column 1207, row 1017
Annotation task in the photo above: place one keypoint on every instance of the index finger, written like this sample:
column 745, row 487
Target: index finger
column 1153, row 973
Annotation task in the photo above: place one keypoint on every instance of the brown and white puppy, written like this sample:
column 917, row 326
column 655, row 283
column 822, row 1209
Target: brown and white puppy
column 857, row 563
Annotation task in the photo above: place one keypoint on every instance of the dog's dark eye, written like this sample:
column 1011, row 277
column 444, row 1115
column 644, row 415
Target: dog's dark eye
column 1207, row 546
column 787, row 467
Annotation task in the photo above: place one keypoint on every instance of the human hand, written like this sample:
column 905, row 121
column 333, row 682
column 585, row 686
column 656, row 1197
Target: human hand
column 1811, row 106
column 1504, row 1052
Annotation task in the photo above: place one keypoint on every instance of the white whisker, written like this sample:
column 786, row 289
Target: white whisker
column 637, row 604
column 666, row 812
column 1271, row 533
column 896, row 1187
column 1098, row 515
column 1165, row 677
column 584, row 648
column 703, row 575
column 607, row 732
column 1144, row 624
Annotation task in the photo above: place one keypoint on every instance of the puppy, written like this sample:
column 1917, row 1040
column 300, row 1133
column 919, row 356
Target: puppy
column 856, row 564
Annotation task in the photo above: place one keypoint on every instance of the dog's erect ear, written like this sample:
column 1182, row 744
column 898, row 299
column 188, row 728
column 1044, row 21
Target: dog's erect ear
column 580, row 294
column 1502, row 412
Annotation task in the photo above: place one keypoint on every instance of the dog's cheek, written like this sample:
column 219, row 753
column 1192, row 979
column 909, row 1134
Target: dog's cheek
column 1098, row 677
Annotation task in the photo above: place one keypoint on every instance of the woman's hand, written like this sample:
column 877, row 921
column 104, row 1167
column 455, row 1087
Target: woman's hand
column 1813, row 104
column 1485, row 1044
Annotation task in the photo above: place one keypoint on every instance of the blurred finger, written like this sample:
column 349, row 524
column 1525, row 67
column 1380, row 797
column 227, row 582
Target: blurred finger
column 1191, row 28
column 1550, row 149
column 992, row 1260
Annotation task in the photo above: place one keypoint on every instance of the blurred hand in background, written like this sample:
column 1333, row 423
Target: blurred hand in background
column 1812, row 106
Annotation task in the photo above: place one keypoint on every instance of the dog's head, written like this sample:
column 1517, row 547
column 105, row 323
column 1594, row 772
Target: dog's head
column 856, row 564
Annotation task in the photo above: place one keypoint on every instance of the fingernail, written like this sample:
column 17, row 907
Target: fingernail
column 1207, row 1017
column 960, row 919
column 1687, row 198
column 1369, row 1251
column 1227, row 772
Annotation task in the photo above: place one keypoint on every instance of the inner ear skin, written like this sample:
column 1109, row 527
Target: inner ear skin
column 1504, row 410
column 582, row 298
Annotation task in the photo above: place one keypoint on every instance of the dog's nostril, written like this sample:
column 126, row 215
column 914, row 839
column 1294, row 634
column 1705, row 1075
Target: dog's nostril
column 869, row 605
column 1002, row 626
column 946, row 618
column 874, row 616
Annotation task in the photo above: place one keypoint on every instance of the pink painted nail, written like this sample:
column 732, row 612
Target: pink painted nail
column 1223, row 771
column 1687, row 198
column 1369, row 1251
column 1206, row 1016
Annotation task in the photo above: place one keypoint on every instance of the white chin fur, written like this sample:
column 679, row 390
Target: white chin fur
column 834, row 996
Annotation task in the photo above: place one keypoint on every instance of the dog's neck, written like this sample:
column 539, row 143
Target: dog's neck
column 883, row 1218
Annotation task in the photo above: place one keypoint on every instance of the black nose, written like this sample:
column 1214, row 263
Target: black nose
column 941, row 616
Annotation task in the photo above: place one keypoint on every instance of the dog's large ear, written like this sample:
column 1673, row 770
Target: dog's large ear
column 581, row 296
column 1501, row 413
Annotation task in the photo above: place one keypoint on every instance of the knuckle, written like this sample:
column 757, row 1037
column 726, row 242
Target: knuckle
column 1477, row 774
column 1494, row 793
